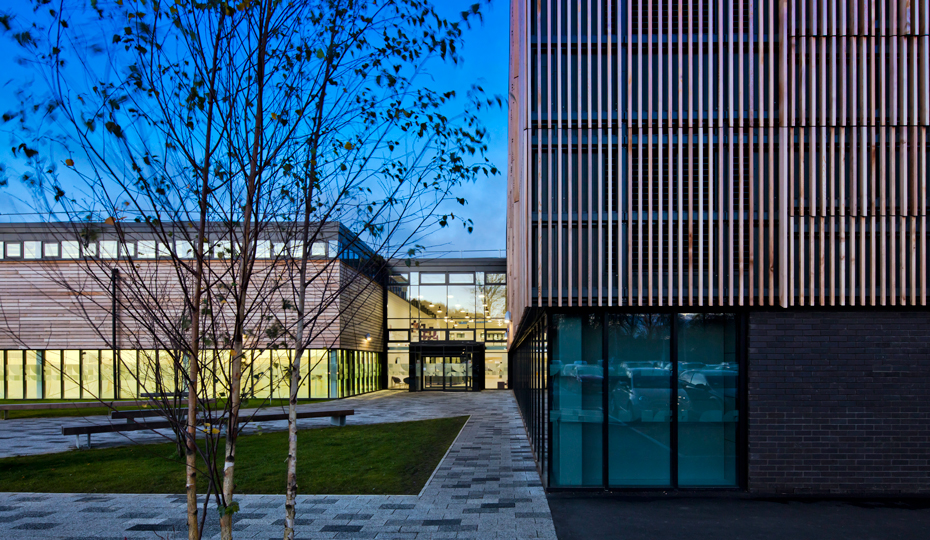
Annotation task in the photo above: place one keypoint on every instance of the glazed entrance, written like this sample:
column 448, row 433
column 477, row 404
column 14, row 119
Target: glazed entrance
column 448, row 366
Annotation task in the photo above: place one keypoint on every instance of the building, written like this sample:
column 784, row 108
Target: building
column 95, row 312
column 717, row 244
column 446, row 324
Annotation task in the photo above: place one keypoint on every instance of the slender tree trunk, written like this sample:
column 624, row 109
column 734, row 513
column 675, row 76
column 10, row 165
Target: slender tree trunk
column 245, row 268
column 290, row 504
column 193, row 526
column 193, row 532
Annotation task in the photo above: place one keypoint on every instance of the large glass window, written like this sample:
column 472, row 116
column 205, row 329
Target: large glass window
column 90, row 374
column 14, row 375
column 107, row 375
column 51, row 367
column 319, row 374
column 708, row 414
column 261, row 374
column 577, row 373
column 638, row 408
column 443, row 306
column 166, row 372
column 672, row 400
column 128, row 373
column 148, row 373
column 71, row 374
column 33, row 375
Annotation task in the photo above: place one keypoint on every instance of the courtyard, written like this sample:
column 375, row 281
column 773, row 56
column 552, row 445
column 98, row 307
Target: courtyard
column 486, row 486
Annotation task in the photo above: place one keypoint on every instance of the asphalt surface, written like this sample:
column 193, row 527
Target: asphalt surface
column 737, row 518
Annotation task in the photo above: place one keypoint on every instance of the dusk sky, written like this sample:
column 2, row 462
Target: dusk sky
column 485, row 62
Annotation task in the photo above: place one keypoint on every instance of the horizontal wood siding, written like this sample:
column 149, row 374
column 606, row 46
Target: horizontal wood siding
column 68, row 305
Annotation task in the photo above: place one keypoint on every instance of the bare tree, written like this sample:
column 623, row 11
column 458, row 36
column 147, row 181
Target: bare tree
column 216, row 126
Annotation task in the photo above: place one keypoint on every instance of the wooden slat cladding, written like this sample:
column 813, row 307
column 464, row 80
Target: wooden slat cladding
column 68, row 305
column 720, row 152
column 857, row 160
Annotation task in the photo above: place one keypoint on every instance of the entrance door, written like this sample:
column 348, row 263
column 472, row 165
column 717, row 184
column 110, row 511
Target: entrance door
column 447, row 372
column 433, row 369
column 458, row 372
column 447, row 366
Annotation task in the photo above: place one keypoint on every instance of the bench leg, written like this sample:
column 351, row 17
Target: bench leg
column 337, row 420
column 88, row 441
column 77, row 442
column 5, row 414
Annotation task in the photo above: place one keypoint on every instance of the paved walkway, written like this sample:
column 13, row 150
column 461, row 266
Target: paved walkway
column 485, row 487
column 29, row 436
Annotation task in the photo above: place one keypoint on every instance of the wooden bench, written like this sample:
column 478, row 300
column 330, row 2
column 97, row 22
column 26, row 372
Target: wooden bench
column 130, row 416
column 337, row 418
column 67, row 405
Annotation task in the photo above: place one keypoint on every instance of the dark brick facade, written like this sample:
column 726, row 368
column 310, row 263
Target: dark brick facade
column 839, row 402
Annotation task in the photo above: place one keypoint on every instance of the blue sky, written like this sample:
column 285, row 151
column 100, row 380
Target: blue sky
column 484, row 61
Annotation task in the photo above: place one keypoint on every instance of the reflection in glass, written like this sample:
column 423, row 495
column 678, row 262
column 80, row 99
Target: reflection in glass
column 107, row 375
column 462, row 278
column 280, row 382
column 319, row 373
column 90, row 374
column 51, row 365
column 128, row 372
column 431, row 303
column 639, row 412
column 33, row 375
column 71, row 375
column 70, row 249
column 148, row 373
column 708, row 374
column 428, row 277
column 14, row 375
column 576, row 376
column 32, row 250
column 261, row 374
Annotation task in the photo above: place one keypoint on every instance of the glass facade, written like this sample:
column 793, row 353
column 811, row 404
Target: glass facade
column 528, row 372
column 97, row 374
column 447, row 305
column 636, row 400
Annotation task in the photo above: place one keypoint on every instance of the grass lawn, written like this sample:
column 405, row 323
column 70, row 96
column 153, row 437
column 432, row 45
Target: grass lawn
column 94, row 411
column 377, row 459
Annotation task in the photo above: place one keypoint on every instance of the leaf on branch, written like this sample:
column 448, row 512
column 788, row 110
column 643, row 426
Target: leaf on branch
column 114, row 128
column 348, row 146
column 24, row 38
column 69, row 162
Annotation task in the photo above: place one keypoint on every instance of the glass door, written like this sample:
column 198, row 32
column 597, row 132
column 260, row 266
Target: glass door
column 433, row 376
column 457, row 371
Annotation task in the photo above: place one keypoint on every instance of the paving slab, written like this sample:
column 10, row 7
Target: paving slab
column 488, row 460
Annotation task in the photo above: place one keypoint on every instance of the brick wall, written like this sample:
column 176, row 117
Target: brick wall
column 839, row 402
